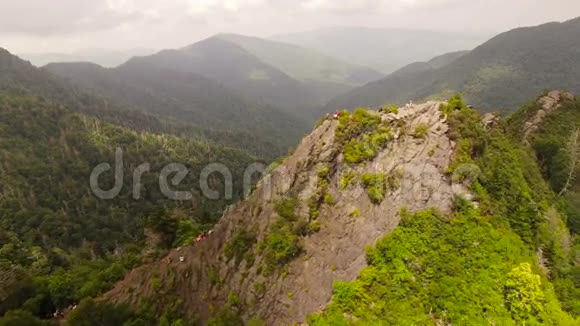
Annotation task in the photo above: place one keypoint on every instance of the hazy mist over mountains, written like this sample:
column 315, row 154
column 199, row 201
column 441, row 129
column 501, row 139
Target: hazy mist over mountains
column 101, row 57
column 386, row 50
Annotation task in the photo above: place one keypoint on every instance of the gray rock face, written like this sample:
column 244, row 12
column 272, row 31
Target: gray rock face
column 336, row 252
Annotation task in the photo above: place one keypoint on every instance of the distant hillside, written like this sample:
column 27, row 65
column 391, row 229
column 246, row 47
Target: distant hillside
column 385, row 50
column 183, row 96
column 501, row 74
column 16, row 74
column 237, row 69
column 433, row 64
column 304, row 64
column 101, row 57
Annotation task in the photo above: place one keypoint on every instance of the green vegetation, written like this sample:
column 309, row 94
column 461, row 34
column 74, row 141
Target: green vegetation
column 420, row 275
column 314, row 227
column 550, row 147
column 421, row 131
column 239, row 246
column 375, row 184
column 329, row 200
column 361, row 135
column 286, row 208
column 391, row 108
column 524, row 296
column 321, row 194
column 282, row 243
column 477, row 266
column 61, row 244
column 346, row 179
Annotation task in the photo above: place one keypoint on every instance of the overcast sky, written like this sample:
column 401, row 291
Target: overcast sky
column 34, row 26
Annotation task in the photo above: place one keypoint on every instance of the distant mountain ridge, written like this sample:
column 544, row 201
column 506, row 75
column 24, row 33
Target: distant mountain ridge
column 281, row 75
column 501, row 74
column 302, row 63
column 382, row 49
column 99, row 92
column 103, row 58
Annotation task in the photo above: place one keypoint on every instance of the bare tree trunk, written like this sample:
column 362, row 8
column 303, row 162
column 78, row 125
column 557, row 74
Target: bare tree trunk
column 573, row 150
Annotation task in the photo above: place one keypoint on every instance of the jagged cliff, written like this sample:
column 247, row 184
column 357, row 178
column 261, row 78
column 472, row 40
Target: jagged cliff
column 414, row 159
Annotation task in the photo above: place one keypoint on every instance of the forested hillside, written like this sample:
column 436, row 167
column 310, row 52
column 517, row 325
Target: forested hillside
column 227, row 63
column 550, row 126
column 88, row 95
column 501, row 74
column 59, row 242
column 185, row 97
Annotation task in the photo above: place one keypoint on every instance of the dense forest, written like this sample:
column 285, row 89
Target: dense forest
column 136, row 108
column 58, row 242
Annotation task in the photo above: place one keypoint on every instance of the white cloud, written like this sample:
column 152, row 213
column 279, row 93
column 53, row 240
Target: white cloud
column 66, row 25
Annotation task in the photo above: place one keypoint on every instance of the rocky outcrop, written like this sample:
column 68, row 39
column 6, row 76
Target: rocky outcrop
column 549, row 103
column 336, row 252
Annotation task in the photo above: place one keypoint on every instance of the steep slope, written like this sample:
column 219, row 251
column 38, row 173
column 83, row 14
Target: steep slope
column 304, row 64
column 501, row 74
column 549, row 126
column 454, row 242
column 308, row 222
column 385, row 50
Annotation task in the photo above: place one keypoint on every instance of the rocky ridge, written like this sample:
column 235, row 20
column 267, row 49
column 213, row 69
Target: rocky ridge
column 347, row 223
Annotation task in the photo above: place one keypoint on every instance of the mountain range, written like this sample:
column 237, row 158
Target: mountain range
column 499, row 75
column 433, row 213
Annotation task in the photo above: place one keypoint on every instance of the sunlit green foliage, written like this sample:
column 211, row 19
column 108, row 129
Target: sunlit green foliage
column 346, row 179
column 391, row 108
column 421, row 131
column 376, row 186
column 282, row 243
column 361, row 135
column 420, row 274
column 474, row 266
